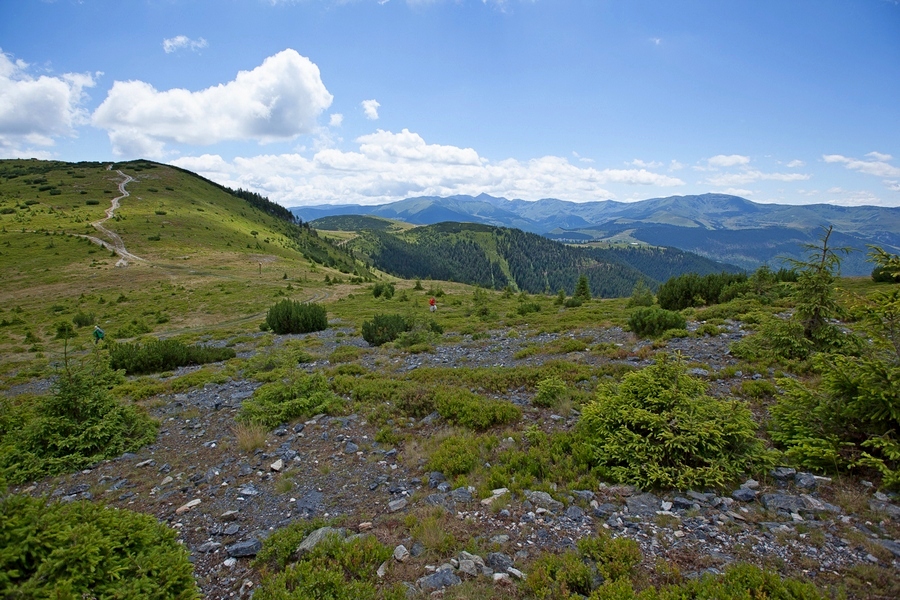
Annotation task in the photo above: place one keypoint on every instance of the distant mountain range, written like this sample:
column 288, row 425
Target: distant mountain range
column 721, row 227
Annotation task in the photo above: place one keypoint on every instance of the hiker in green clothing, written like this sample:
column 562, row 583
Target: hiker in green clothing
column 98, row 334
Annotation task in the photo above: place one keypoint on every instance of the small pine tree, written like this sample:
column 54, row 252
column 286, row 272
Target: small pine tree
column 582, row 289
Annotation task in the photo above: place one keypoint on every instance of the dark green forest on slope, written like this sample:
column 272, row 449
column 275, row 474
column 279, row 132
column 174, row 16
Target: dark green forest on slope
column 494, row 257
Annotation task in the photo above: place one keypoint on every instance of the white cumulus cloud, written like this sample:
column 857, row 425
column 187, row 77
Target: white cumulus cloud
column 370, row 107
column 336, row 120
column 278, row 100
column 794, row 164
column 178, row 42
column 35, row 110
column 877, row 164
column 389, row 166
column 730, row 160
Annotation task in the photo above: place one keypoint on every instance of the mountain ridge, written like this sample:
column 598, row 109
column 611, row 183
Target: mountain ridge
column 780, row 230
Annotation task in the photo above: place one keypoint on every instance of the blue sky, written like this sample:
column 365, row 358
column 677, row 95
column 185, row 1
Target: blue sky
column 370, row 101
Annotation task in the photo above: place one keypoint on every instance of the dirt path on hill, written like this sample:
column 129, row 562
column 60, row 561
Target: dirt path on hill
column 117, row 245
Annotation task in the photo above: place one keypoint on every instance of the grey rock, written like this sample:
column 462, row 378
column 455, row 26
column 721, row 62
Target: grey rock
column 430, row 419
column 434, row 478
column 682, row 503
column 468, row 567
column 245, row 548
column 498, row 561
column 463, row 555
column 351, row 448
column 744, row 495
column 310, row 503
column 78, row 489
column 443, row 487
column 584, row 495
column 439, row 580
column 461, row 494
column 575, row 513
column 785, row 502
column 231, row 529
column 248, row 490
column 395, row 505
column 440, row 500
column 401, row 554
column 698, row 372
column 700, row 497
column 418, row 549
column 806, row 480
column 544, row 500
column 316, row 537
column 604, row 510
column 783, row 473
column 208, row 547
column 642, row 504
column 894, row 547
column 891, row 510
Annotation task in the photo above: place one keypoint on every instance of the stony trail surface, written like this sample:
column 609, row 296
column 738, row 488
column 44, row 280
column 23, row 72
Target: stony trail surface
column 116, row 245
column 224, row 502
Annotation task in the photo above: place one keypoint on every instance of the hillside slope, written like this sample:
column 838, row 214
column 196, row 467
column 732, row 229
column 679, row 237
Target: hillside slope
column 495, row 257
column 204, row 254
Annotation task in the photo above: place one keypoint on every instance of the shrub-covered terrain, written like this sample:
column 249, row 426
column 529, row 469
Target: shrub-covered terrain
column 499, row 427
column 77, row 425
column 162, row 355
column 85, row 550
column 658, row 429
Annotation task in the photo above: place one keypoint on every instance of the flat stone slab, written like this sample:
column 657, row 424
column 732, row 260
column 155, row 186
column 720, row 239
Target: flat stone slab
column 249, row 547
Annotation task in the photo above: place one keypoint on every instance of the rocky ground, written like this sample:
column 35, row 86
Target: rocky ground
column 224, row 503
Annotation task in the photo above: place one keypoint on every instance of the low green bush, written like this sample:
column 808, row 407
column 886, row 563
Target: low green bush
column 881, row 274
column 83, row 319
column 740, row 581
column 652, row 321
column 462, row 407
column 336, row 569
column 383, row 289
column 78, row 425
column 691, row 289
column 384, row 328
column 658, row 429
column 290, row 316
column 525, row 308
column 708, row 329
column 616, row 558
column 641, row 295
column 278, row 402
column 85, row 550
column 550, row 391
column 163, row 355
column 456, row 455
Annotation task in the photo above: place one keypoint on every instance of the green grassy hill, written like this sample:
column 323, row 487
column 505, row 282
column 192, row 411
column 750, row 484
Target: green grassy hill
column 207, row 254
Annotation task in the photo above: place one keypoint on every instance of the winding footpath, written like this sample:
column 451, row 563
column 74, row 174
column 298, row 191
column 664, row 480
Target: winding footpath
column 117, row 245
